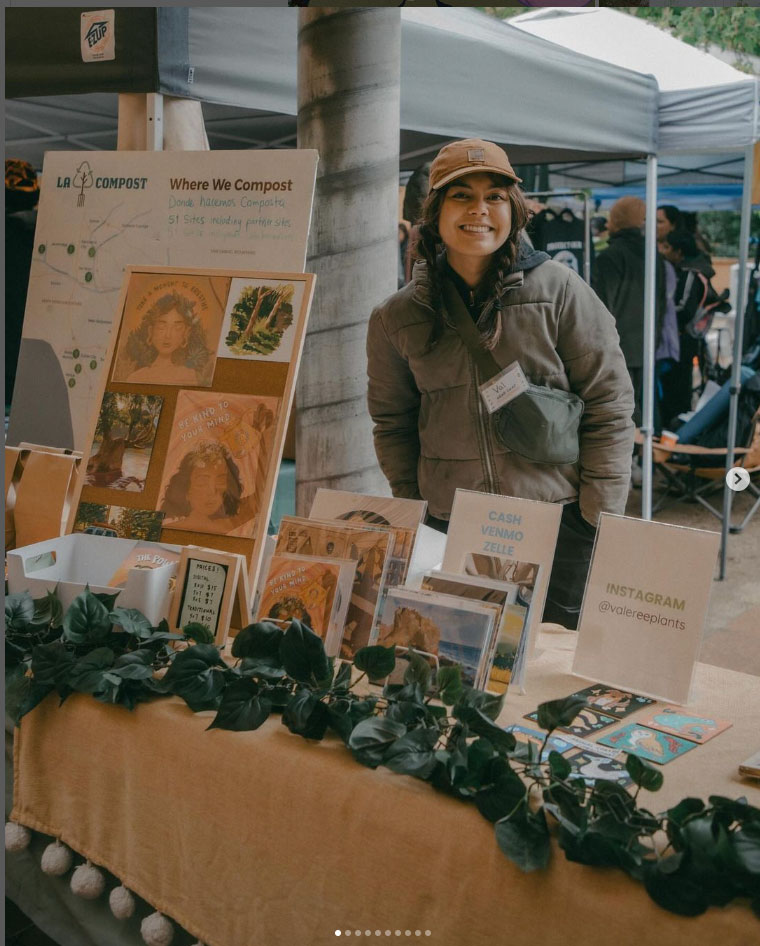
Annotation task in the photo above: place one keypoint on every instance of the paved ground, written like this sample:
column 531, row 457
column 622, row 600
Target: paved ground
column 732, row 632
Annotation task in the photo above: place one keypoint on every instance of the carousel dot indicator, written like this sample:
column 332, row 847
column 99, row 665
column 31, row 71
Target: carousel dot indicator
column 88, row 277
column 70, row 248
column 91, row 251
column 337, row 933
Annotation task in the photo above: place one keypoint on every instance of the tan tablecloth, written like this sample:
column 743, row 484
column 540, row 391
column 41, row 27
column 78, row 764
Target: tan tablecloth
column 263, row 839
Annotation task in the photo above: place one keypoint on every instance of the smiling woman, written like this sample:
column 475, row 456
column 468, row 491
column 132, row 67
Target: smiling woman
column 480, row 300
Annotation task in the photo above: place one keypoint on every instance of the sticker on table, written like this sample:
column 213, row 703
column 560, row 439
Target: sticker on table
column 588, row 720
column 648, row 743
column 555, row 743
column 672, row 719
column 611, row 700
column 593, row 767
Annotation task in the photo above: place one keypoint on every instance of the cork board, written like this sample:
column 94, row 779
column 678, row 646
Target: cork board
column 187, row 436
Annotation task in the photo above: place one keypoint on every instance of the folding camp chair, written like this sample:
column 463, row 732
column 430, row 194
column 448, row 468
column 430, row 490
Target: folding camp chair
column 688, row 479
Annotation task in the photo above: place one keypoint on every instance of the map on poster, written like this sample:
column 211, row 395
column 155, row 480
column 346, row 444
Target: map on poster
column 100, row 211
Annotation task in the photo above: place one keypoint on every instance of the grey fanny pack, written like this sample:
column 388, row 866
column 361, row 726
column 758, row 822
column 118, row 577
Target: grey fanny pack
column 542, row 423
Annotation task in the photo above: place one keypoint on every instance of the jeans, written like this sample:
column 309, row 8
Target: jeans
column 572, row 559
column 715, row 409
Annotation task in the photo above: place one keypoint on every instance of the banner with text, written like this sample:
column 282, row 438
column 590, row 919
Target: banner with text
column 100, row 211
column 645, row 606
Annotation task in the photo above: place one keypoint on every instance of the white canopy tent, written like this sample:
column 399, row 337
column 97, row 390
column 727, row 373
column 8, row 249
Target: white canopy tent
column 705, row 106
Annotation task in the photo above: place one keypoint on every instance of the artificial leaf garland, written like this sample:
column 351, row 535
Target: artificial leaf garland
column 689, row 857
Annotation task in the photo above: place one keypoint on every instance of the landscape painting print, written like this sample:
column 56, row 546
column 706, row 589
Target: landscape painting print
column 219, row 451
column 259, row 320
column 457, row 632
column 170, row 329
column 124, row 436
column 118, row 522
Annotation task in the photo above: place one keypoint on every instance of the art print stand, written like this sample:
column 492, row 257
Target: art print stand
column 212, row 589
column 645, row 604
column 102, row 211
column 501, row 536
column 187, row 439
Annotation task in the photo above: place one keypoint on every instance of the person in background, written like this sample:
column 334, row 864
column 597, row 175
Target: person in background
column 668, row 352
column 403, row 250
column 599, row 233
column 416, row 191
column 618, row 280
column 668, row 219
column 701, row 261
column 22, row 191
column 432, row 432
column 693, row 286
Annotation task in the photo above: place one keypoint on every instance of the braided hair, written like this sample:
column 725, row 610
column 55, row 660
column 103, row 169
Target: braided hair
column 489, row 293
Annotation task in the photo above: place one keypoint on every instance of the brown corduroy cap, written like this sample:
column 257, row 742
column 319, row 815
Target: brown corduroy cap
column 469, row 156
column 627, row 213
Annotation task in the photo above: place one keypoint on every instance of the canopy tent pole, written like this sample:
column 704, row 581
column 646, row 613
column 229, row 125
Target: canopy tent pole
column 647, row 406
column 741, row 299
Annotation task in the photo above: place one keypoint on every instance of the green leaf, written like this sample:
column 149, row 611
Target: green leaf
column 306, row 715
column 197, row 675
column 343, row 676
column 643, row 774
column 106, row 599
column 86, row 676
column 48, row 611
column 746, row 844
column 559, row 767
column 131, row 621
column 500, row 799
column 261, row 641
column 412, row 753
column 376, row 661
column 259, row 667
column 137, row 665
column 676, row 890
column 418, row 671
column 449, row 683
column 198, row 633
column 18, row 687
column 87, row 621
column 302, row 653
column 524, row 838
column 51, row 665
column 371, row 739
column 482, row 725
column 684, row 809
column 488, row 703
column 244, row 707
column 562, row 712
column 19, row 611
column 408, row 712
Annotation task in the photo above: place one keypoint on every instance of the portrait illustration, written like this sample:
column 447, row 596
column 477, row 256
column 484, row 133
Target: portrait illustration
column 170, row 330
column 217, row 462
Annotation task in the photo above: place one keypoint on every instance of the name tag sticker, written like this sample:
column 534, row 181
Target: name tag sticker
column 504, row 387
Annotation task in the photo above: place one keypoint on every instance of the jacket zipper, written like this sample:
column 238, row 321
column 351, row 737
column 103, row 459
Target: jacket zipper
column 485, row 444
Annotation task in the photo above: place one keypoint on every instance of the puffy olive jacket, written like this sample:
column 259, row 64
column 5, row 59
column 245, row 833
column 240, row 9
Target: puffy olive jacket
column 432, row 433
